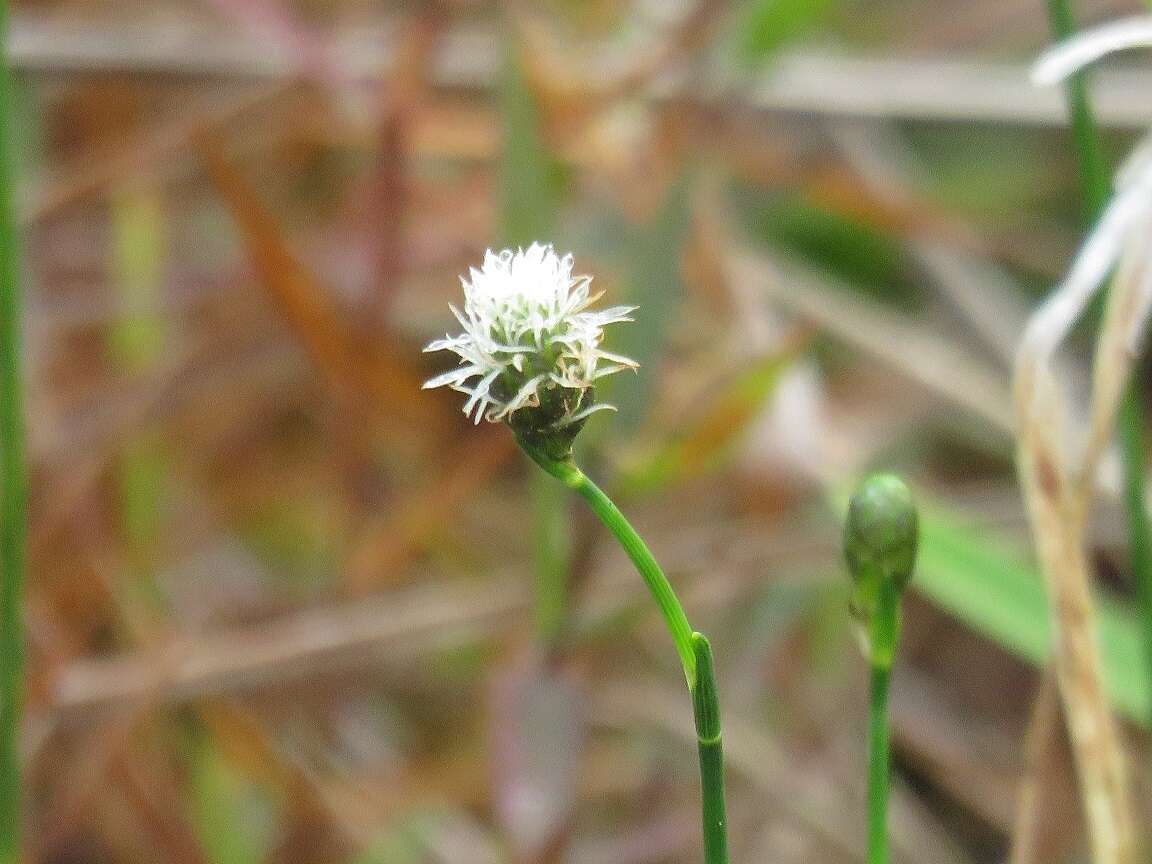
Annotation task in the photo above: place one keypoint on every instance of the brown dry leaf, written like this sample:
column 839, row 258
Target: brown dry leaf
column 389, row 192
column 375, row 367
column 389, row 540
column 96, row 171
column 158, row 804
column 905, row 343
column 245, row 742
column 1047, row 812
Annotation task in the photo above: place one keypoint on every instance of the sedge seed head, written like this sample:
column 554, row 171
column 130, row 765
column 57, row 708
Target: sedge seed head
column 881, row 534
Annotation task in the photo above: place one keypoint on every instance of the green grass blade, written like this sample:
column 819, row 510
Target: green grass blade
column 655, row 287
column 530, row 187
column 13, row 482
column 988, row 583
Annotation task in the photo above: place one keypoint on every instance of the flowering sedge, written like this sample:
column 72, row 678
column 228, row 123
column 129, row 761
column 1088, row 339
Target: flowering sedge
column 530, row 352
column 530, row 356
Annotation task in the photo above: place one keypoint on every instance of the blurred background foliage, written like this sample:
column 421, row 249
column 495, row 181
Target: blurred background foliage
column 286, row 607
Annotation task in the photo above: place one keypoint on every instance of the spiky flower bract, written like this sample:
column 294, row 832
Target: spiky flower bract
column 530, row 352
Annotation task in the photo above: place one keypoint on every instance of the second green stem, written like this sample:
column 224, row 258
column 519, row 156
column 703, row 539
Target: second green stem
column 883, row 635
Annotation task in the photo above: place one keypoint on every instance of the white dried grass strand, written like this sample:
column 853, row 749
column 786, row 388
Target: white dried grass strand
column 1124, row 320
column 1072, row 55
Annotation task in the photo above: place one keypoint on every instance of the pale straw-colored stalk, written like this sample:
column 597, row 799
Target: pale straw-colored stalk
column 1058, row 475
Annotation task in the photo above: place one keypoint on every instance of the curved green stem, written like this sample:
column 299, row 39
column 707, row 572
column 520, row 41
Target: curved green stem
column 709, row 742
column 693, row 648
column 13, row 493
column 884, row 629
column 615, row 521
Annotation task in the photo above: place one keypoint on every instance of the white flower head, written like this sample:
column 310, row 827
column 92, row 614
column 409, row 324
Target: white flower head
column 530, row 351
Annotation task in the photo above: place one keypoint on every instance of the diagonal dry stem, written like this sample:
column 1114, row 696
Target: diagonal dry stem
column 1058, row 482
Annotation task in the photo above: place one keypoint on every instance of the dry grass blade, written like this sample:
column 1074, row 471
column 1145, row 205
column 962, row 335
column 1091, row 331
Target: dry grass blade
column 1058, row 479
column 894, row 338
column 387, row 542
column 1047, row 811
column 361, row 366
column 98, row 171
column 296, row 646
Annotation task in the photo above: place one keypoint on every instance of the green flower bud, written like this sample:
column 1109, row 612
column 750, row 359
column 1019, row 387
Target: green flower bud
column 880, row 539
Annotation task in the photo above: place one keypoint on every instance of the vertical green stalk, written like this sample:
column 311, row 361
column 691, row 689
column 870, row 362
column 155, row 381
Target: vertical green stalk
column 1091, row 160
column 1096, row 188
column 550, row 537
column 136, row 344
column 881, row 536
column 13, row 482
column 694, row 650
column 709, row 743
column 529, row 203
column 884, row 624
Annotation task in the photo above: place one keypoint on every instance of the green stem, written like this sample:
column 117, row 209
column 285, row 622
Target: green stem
column 693, row 648
column 1096, row 187
column 709, row 742
column 1094, row 175
column 878, row 770
column 13, row 483
column 637, row 549
column 551, row 547
column 884, row 628
column 1139, row 542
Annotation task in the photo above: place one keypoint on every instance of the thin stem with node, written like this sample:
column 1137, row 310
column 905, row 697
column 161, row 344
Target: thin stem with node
column 694, row 650
column 709, row 744
column 633, row 544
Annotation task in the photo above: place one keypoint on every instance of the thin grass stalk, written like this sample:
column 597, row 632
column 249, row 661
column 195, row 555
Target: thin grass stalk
column 551, row 547
column 644, row 561
column 710, row 745
column 529, row 205
column 881, row 538
column 693, row 648
column 13, row 482
column 879, row 747
column 1095, row 186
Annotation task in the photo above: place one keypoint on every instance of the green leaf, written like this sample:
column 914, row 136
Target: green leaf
column 655, row 287
column 234, row 821
column 766, row 25
column 988, row 583
column 531, row 180
column 850, row 249
column 712, row 434
column 139, row 262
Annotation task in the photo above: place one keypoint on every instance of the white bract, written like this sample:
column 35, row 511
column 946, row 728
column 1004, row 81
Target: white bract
column 529, row 338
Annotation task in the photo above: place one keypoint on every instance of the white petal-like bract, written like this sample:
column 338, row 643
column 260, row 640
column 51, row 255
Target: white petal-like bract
column 528, row 332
